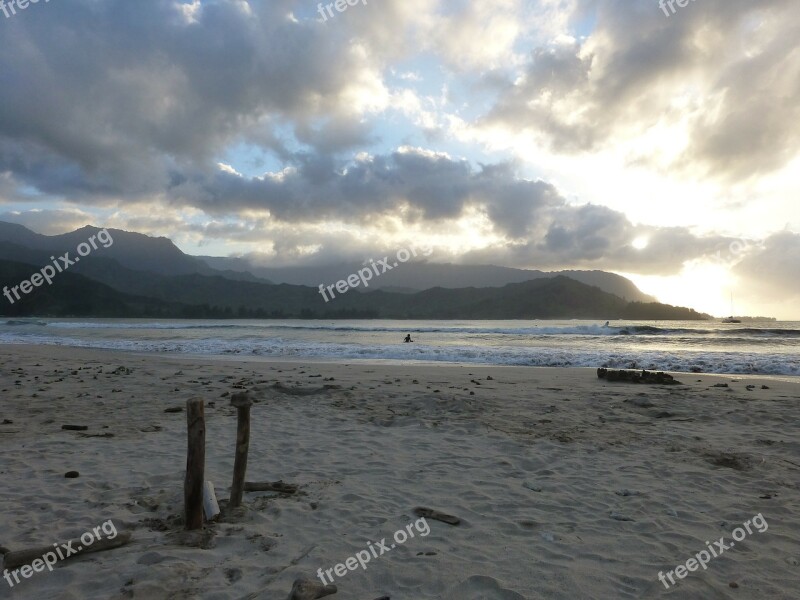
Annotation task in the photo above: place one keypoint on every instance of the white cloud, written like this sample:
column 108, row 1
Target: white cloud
column 588, row 125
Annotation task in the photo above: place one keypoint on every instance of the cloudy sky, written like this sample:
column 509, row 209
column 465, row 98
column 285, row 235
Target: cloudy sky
column 550, row 134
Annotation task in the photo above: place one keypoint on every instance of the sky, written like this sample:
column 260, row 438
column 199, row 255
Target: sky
column 618, row 135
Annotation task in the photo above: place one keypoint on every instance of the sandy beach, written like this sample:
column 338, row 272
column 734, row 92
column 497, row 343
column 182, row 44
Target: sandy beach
column 566, row 486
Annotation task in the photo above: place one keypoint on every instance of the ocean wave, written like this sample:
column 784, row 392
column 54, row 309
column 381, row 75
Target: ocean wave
column 413, row 327
column 139, row 326
column 687, row 361
column 769, row 332
column 22, row 322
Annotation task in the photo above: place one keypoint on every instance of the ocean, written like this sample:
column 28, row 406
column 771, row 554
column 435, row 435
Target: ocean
column 767, row 348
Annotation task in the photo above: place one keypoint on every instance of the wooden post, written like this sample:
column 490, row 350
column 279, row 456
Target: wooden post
column 242, row 402
column 195, row 464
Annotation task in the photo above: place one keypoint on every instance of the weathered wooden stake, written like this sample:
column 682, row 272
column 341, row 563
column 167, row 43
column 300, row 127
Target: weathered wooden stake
column 242, row 402
column 195, row 464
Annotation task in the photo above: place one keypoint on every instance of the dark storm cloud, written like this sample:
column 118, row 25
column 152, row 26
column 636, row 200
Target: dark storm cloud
column 540, row 226
column 425, row 186
column 596, row 237
column 433, row 186
column 118, row 96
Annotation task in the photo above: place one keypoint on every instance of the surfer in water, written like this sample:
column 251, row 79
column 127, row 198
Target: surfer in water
column 408, row 339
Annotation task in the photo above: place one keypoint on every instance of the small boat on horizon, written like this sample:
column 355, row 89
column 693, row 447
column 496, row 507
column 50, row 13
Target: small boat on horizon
column 731, row 319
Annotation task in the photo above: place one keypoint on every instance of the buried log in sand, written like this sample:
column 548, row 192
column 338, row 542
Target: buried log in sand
column 643, row 376
column 271, row 486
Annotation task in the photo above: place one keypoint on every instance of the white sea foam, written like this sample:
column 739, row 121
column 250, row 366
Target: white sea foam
column 370, row 343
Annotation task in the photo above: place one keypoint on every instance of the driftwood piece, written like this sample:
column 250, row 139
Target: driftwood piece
column 210, row 504
column 429, row 513
column 304, row 589
column 242, row 402
column 195, row 464
column 14, row 560
column 642, row 376
column 267, row 486
column 300, row 391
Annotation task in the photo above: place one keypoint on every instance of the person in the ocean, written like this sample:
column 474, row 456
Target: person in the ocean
column 408, row 339
column 606, row 325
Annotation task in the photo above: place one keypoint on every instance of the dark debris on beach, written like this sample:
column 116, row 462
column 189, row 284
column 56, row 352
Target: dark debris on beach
column 643, row 376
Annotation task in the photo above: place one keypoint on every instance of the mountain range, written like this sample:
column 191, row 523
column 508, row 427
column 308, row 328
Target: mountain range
column 143, row 276
column 423, row 275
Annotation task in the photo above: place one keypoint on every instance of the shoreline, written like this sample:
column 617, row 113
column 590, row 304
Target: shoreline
column 239, row 358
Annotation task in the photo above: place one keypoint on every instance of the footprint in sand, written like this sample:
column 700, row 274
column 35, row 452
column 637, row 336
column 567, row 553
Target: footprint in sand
column 479, row 587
